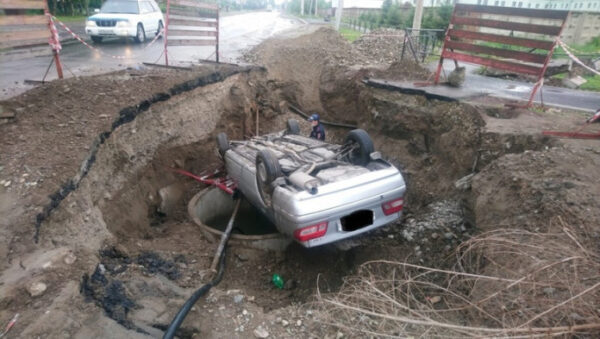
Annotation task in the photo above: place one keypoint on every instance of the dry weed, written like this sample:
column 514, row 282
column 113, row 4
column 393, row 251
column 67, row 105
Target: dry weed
column 506, row 283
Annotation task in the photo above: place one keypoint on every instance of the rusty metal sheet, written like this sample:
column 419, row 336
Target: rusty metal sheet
column 22, row 4
column 574, row 135
column 190, row 32
column 505, row 53
column 507, row 25
column 503, row 39
column 195, row 4
column 513, row 11
column 191, row 21
column 174, row 41
column 504, row 65
column 193, row 12
column 22, row 38
column 7, row 20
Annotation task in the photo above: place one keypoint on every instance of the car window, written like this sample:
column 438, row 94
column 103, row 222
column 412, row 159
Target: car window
column 154, row 6
column 120, row 6
column 145, row 7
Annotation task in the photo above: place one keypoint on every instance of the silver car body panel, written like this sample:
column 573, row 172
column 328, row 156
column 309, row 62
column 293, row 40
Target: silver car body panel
column 343, row 190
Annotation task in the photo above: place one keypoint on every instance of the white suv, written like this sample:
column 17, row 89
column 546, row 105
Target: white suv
column 125, row 18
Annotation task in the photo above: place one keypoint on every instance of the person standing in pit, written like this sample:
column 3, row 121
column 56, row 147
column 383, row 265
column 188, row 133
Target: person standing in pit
column 318, row 131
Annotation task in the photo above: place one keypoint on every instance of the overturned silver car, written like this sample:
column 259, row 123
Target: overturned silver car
column 315, row 191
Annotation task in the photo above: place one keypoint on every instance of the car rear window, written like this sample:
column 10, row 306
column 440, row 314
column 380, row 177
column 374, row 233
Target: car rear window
column 128, row 7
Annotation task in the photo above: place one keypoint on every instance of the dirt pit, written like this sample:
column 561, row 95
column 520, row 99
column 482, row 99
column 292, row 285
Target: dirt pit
column 119, row 251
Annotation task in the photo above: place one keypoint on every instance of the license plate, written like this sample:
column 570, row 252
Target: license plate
column 357, row 220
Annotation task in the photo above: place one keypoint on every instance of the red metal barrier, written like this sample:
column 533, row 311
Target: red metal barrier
column 478, row 47
column 192, row 23
column 26, row 23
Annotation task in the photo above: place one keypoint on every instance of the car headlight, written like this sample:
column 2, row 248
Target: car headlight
column 123, row 24
column 90, row 23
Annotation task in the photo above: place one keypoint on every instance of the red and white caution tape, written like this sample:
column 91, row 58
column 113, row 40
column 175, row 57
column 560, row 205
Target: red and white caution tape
column 99, row 50
column 54, row 40
column 567, row 50
column 10, row 325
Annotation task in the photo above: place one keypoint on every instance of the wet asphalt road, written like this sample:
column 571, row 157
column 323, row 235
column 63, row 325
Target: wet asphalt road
column 520, row 90
column 238, row 33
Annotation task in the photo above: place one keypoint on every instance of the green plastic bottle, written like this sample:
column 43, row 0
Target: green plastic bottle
column 277, row 281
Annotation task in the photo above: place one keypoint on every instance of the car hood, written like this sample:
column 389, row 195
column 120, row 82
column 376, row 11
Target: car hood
column 113, row 16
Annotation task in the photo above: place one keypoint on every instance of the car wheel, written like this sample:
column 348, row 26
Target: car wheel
column 293, row 127
column 140, row 35
column 96, row 39
column 267, row 170
column 362, row 147
column 222, row 144
column 160, row 28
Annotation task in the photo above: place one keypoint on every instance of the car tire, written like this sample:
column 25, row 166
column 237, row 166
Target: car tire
column 140, row 35
column 222, row 144
column 267, row 170
column 160, row 28
column 293, row 127
column 96, row 39
column 361, row 155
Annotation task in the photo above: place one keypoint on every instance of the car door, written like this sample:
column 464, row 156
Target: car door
column 147, row 18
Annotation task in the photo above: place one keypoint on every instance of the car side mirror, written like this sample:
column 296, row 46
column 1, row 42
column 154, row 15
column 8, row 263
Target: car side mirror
column 96, row 10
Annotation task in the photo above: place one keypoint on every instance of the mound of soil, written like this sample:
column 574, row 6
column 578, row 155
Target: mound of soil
column 382, row 46
column 527, row 190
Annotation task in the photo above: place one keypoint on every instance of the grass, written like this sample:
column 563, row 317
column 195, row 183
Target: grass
column 76, row 18
column 592, row 84
column 350, row 34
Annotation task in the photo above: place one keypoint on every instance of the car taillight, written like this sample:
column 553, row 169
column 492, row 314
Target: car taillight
column 393, row 206
column 311, row 232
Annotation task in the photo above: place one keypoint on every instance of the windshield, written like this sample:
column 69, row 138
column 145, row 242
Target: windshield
column 129, row 7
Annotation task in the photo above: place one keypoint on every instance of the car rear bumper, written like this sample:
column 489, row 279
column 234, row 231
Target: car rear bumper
column 337, row 218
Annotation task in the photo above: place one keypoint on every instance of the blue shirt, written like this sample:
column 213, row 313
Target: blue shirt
column 318, row 132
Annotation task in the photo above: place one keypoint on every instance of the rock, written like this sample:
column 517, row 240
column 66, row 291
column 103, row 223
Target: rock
column 299, row 323
column 435, row 300
column 260, row 332
column 7, row 183
column 434, row 235
column 69, row 258
column 36, row 289
column 339, row 335
column 549, row 291
column 170, row 196
column 457, row 77
column 238, row 298
column 464, row 183
column 574, row 82
column 284, row 323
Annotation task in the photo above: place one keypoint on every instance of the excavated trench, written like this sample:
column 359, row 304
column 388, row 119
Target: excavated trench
column 161, row 223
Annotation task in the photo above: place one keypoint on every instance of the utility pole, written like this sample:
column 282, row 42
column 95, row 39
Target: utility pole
column 418, row 16
column 301, row 7
column 338, row 14
column 316, row 7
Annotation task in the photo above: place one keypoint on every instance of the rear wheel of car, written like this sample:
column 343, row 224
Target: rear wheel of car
column 140, row 35
column 362, row 146
column 96, row 39
column 222, row 143
column 160, row 28
column 267, row 170
column 293, row 127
